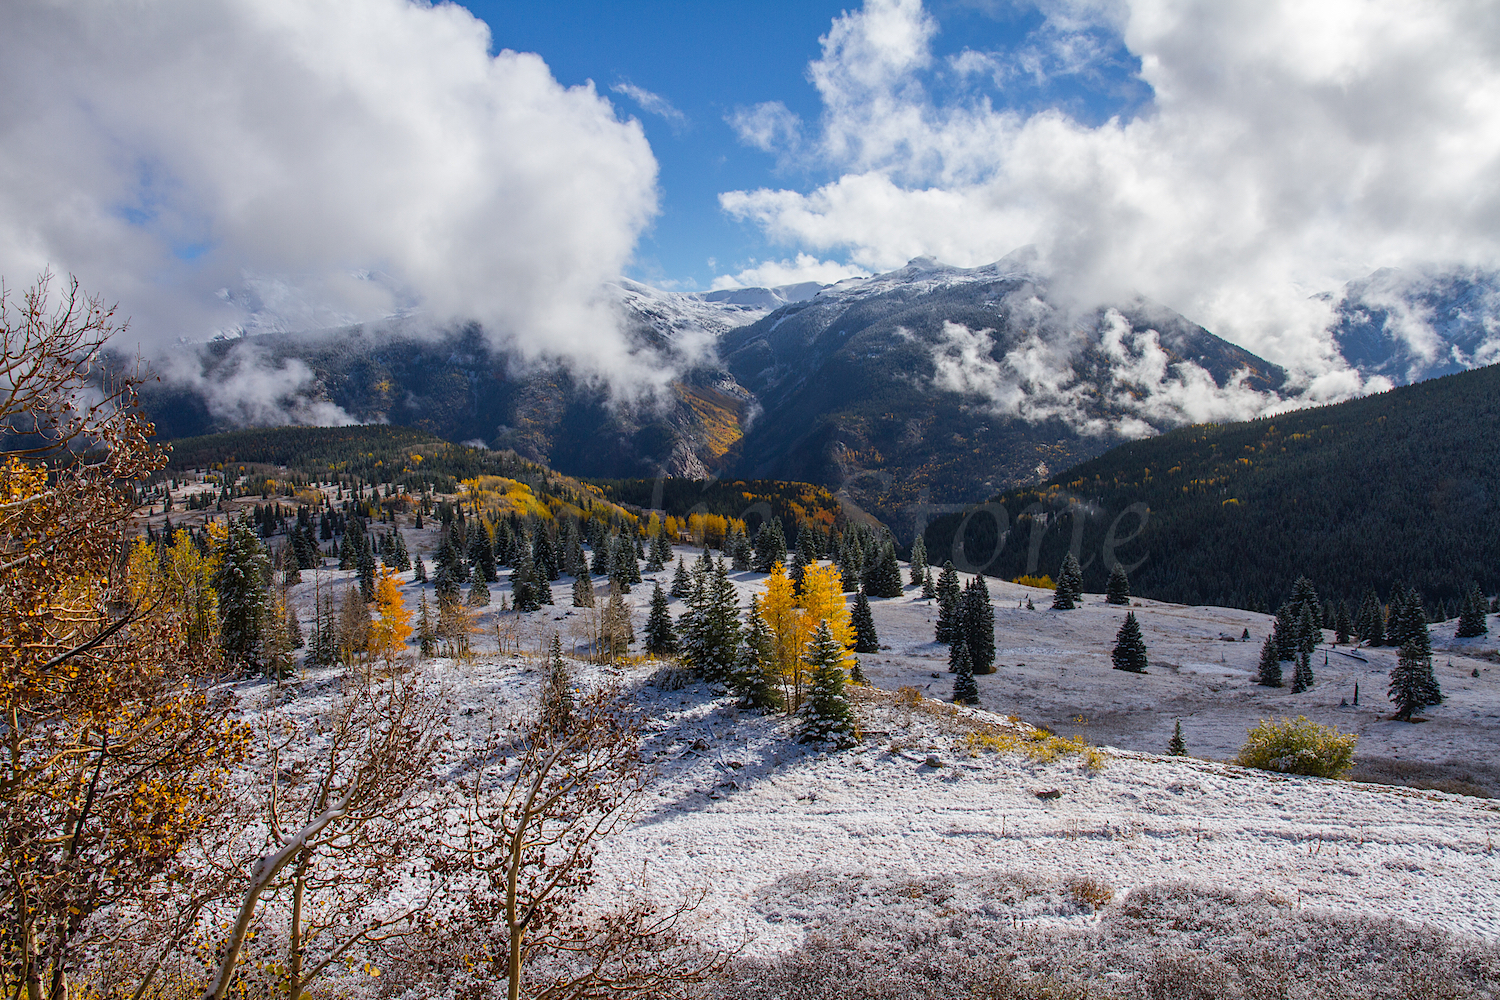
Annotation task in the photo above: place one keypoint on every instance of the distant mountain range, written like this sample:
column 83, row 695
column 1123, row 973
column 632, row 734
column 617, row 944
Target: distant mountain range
column 929, row 384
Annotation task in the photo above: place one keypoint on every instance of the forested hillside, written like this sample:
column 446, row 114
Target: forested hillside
column 1396, row 488
column 367, row 453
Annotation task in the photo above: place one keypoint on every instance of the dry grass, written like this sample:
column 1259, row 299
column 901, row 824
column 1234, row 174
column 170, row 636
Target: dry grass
column 982, row 731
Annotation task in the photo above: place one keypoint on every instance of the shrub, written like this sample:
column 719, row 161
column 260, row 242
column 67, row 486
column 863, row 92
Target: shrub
column 1299, row 746
column 1044, row 582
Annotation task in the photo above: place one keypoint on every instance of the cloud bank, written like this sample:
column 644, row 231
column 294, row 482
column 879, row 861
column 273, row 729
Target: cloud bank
column 1287, row 148
column 223, row 165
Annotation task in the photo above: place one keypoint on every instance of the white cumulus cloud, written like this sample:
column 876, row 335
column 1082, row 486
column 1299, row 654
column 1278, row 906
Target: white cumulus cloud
column 1288, row 147
column 228, row 164
column 804, row 267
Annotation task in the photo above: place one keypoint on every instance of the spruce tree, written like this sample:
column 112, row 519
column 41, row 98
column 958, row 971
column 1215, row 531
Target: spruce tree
column 655, row 562
column 754, row 679
column 583, row 590
column 929, row 589
column 239, row 583
column 805, row 556
column 1288, row 631
column 293, row 628
column 556, row 696
column 918, row 567
column 827, row 714
column 426, row 628
column 965, row 691
column 366, row 565
column 479, row 591
column 1269, row 674
column 948, row 596
column 1395, row 617
column 1130, row 646
column 524, row 593
column 419, row 571
column 770, row 545
column 711, row 630
column 1416, row 638
column 1342, row 626
column 661, row 637
column 681, row 584
column 1118, row 589
column 976, row 625
column 1408, row 689
column 884, row 578
column 1177, row 746
column 1069, row 585
column 1471, row 619
column 865, row 639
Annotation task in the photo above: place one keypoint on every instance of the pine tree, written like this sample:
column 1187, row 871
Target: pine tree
column 948, row 595
column 661, row 637
column 976, row 625
column 1269, row 674
column 1177, row 746
column 1471, row 619
column 918, row 567
column 1342, row 626
column 827, row 714
column 884, row 578
column 325, row 639
column 965, row 691
column 865, row 639
column 1118, row 589
column 929, row 590
column 239, row 583
column 681, row 584
column 1069, row 585
column 1130, row 646
column 754, row 679
column 419, row 571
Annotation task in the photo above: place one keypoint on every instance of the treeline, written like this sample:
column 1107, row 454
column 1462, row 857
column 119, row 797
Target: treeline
column 360, row 454
column 1394, row 489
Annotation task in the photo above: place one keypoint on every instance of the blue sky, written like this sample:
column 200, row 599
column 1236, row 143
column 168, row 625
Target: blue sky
column 709, row 59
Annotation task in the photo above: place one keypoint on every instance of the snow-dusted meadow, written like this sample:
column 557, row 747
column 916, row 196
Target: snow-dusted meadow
column 787, row 838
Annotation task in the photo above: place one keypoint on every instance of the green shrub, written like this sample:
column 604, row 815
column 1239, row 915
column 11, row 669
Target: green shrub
column 1299, row 746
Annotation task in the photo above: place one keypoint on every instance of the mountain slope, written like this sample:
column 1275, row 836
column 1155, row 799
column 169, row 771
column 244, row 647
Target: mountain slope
column 948, row 383
column 1400, row 487
column 1413, row 325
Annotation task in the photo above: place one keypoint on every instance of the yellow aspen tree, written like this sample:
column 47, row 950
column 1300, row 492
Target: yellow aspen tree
column 389, row 632
column 778, row 606
column 823, row 600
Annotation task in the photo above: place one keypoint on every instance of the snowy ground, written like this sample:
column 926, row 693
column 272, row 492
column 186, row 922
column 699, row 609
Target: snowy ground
column 740, row 809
